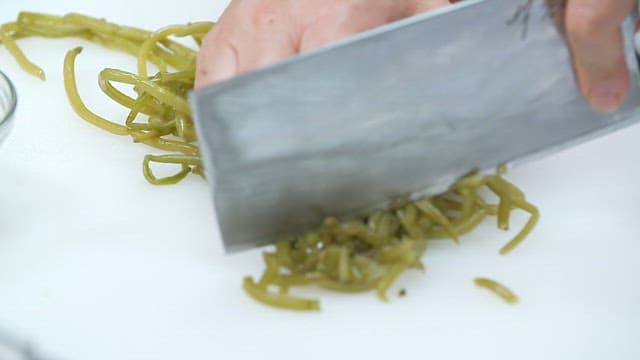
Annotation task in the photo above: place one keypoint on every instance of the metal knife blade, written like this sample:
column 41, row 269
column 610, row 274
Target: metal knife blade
column 404, row 109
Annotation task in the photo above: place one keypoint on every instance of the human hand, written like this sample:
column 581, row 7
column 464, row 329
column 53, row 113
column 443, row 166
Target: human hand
column 255, row 33
column 595, row 38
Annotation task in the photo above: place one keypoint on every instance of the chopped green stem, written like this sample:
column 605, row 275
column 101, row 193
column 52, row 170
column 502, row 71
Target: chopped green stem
column 497, row 288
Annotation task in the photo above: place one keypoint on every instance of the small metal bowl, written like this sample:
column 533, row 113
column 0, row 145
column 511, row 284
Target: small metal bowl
column 8, row 100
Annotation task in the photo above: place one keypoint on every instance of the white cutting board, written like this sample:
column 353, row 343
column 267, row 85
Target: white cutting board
column 97, row 264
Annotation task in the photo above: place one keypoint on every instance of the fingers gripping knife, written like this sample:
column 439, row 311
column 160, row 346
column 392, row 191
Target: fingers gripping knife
column 404, row 109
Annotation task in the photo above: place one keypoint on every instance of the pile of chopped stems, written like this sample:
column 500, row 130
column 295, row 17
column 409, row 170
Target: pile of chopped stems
column 369, row 253
column 354, row 255
column 161, row 98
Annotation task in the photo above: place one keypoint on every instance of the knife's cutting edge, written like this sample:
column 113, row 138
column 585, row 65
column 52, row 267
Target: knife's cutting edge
column 395, row 111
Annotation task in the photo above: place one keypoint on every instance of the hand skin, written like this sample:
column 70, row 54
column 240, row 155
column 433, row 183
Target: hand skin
column 595, row 38
column 255, row 33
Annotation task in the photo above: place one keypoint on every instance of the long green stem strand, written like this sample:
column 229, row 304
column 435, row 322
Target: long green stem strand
column 76, row 102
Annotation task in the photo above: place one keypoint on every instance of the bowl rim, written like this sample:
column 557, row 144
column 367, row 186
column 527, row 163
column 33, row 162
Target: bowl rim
column 13, row 100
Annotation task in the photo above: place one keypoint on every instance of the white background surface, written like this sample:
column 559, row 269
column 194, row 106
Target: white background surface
column 97, row 264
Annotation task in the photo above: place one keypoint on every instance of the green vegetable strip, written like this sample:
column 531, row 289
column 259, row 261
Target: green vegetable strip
column 9, row 30
column 271, row 272
column 49, row 26
column 14, row 50
column 77, row 104
column 179, row 50
column 169, row 180
column 150, row 129
column 408, row 217
column 387, row 280
column 183, row 77
column 468, row 200
column 299, row 279
column 163, row 95
column 128, row 47
column 198, row 38
column 170, row 145
column 334, row 285
column 526, row 230
column 175, row 30
column 185, row 129
column 184, row 160
column 463, row 227
column 279, row 300
column 176, row 159
column 499, row 289
column 436, row 215
column 101, row 26
column 147, row 107
column 503, row 190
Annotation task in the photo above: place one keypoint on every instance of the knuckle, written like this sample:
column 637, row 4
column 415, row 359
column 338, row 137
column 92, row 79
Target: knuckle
column 584, row 23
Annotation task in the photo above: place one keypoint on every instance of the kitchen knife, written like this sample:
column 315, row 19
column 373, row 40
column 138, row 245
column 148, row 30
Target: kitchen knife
column 405, row 109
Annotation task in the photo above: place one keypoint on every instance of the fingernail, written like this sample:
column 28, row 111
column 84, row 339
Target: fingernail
column 607, row 96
